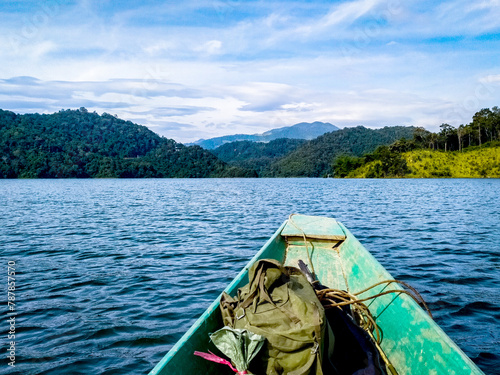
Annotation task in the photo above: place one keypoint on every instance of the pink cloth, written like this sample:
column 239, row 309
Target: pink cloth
column 214, row 358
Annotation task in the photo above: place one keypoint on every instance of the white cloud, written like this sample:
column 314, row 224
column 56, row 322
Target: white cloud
column 373, row 62
column 158, row 48
column 212, row 47
column 491, row 79
column 217, row 110
column 347, row 13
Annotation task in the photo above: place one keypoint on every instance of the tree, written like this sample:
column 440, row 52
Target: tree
column 344, row 164
column 402, row 145
column 433, row 139
column 446, row 134
column 387, row 163
column 481, row 121
column 494, row 123
column 460, row 134
column 421, row 137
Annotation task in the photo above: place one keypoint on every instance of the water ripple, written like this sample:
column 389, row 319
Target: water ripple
column 111, row 273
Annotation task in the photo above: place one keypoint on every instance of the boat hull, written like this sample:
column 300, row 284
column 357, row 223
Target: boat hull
column 411, row 340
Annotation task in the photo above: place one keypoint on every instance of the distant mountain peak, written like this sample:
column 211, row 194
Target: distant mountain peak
column 302, row 130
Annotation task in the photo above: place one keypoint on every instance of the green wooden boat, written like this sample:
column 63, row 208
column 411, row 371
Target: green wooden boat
column 412, row 341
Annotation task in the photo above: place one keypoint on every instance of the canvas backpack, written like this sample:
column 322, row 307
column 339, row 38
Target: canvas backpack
column 281, row 305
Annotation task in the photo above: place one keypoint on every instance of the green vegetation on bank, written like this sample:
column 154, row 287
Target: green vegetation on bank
column 473, row 162
column 471, row 150
column 81, row 144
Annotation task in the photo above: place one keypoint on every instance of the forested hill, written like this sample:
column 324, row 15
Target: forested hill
column 256, row 155
column 78, row 143
column 314, row 159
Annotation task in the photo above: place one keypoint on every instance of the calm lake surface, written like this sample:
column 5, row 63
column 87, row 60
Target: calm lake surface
column 111, row 273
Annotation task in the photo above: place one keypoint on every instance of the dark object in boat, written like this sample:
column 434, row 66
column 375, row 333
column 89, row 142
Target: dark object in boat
column 354, row 352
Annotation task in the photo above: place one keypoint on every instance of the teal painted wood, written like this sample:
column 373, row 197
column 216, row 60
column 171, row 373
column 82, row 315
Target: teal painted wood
column 414, row 343
column 313, row 227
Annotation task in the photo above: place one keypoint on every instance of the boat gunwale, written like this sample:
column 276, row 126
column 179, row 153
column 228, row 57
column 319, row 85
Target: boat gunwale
column 233, row 285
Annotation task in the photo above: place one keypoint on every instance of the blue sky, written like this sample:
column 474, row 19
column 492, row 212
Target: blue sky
column 200, row 69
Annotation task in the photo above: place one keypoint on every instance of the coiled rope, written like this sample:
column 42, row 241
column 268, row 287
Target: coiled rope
column 331, row 298
column 335, row 298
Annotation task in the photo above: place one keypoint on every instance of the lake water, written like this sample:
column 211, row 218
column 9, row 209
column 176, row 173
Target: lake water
column 111, row 273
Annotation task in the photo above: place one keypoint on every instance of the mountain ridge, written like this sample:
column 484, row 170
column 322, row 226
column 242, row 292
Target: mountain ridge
column 301, row 130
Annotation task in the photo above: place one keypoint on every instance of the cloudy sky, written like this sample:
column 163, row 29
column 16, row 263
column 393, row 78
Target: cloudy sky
column 200, row 69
